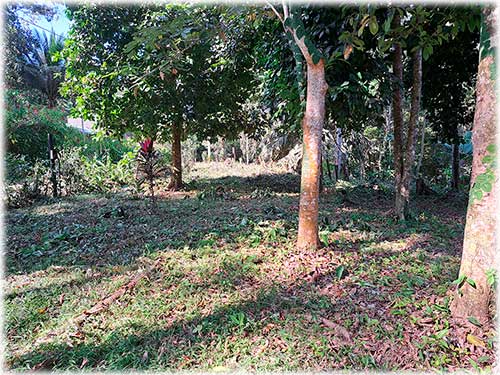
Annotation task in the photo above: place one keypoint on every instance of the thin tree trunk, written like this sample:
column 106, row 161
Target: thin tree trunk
column 420, row 184
column 397, row 115
column 455, row 165
column 384, row 141
column 329, row 169
column 176, row 178
column 362, row 161
column 412, row 130
column 479, row 248
column 339, row 151
column 421, row 154
column 312, row 126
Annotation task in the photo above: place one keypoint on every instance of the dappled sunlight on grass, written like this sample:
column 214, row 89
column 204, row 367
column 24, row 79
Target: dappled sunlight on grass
column 229, row 287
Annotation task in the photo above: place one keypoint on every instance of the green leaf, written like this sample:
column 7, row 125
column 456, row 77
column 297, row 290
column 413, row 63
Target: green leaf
column 442, row 333
column 460, row 280
column 316, row 57
column 471, row 282
column 474, row 321
column 488, row 159
column 387, row 25
column 491, row 276
column 492, row 148
column 339, row 271
column 425, row 55
column 301, row 31
column 324, row 238
column 373, row 25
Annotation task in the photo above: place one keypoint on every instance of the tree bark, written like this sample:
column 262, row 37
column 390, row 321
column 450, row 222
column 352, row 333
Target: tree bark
column 409, row 159
column 455, row 165
column 422, row 149
column 312, row 127
column 397, row 115
column 176, row 178
column 338, row 132
column 479, row 246
column 387, row 127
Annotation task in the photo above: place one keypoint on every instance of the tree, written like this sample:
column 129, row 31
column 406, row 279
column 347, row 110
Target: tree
column 449, row 78
column 417, row 30
column 20, row 40
column 353, row 95
column 404, row 157
column 312, row 128
column 148, row 70
column 41, row 71
column 478, row 257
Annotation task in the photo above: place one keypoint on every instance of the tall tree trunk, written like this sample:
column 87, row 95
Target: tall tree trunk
column 455, row 164
column 420, row 184
column 338, row 142
column 478, row 254
column 409, row 159
column 422, row 149
column 387, row 127
column 397, row 115
column 312, row 127
column 176, row 178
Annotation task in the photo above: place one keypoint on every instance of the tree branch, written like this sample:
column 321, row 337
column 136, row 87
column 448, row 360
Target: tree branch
column 277, row 13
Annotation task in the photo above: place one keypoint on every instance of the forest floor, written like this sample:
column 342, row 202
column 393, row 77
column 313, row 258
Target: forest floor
column 211, row 279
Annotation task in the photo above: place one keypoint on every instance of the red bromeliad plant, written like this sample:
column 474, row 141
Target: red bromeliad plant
column 149, row 165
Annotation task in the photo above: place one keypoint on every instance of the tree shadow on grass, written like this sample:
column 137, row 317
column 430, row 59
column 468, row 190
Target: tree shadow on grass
column 276, row 325
column 102, row 232
column 252, row 330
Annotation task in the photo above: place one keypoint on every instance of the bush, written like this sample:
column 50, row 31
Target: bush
column 105, row 176
column 29, row 124
column 26, row 182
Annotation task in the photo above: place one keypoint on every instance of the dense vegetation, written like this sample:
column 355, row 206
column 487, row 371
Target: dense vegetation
column 297, row 187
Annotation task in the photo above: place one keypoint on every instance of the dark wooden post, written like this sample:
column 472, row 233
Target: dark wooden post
column 52, row 159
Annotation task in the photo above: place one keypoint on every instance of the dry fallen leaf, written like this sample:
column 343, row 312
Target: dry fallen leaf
column 341, row 331
column 471, row 339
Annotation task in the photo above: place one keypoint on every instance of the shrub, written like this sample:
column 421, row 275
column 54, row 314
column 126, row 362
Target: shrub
column 26, row 182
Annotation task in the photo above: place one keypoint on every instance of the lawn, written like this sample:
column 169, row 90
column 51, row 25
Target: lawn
column 213, row 280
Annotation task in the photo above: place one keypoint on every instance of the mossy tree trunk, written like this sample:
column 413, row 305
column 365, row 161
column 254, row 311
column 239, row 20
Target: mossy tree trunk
column 478, row 257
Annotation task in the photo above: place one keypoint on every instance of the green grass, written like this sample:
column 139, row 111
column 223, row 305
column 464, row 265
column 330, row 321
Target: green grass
column 231, row 291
